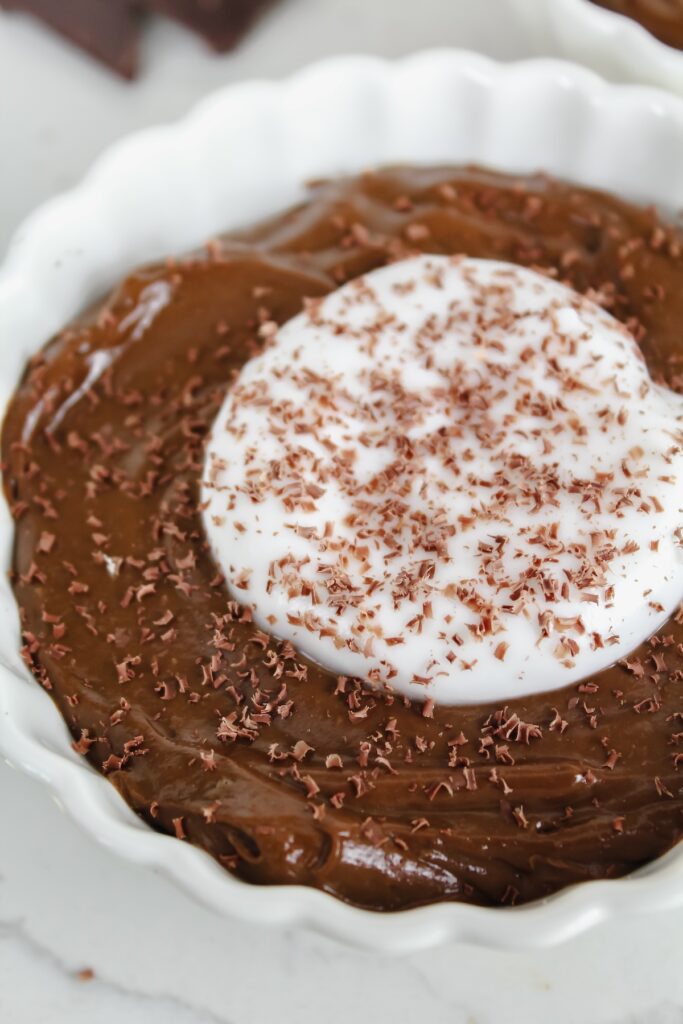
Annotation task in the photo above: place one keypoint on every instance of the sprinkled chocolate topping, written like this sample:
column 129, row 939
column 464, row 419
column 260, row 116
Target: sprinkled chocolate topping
column 220, row 734
column 453, row 477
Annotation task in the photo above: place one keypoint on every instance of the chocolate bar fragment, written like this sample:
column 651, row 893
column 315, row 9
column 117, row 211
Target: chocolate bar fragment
column 222, row 23
column 662, row 18
column 106, row 29
column 109, row 30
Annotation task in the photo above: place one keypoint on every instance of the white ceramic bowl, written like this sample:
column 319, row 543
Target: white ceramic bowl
column 242, row 154
column 610, row 43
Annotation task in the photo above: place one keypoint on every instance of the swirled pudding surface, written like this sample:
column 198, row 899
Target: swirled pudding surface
column 217, row 731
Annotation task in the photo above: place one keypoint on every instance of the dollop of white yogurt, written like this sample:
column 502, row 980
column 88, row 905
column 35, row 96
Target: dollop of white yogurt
column 454, row 477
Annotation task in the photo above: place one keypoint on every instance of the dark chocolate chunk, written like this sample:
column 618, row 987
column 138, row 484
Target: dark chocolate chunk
column 109, row 29
column 106, row 29
column 663, row 18
column 222, row 23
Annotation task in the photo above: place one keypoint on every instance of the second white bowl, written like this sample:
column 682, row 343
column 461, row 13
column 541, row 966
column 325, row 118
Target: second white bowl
column 610, row 43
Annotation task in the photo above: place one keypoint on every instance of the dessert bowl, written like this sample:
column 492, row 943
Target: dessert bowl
column 242, row 155
column 612, row 44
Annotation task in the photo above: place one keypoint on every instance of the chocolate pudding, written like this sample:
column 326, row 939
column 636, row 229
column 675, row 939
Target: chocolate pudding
column 227, row 737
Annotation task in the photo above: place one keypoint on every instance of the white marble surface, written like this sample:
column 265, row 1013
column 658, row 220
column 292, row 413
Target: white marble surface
column 58, row 110
column 66, row 904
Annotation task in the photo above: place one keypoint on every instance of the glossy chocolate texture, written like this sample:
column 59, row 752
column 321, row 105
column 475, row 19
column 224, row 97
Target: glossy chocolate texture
column 225, row 736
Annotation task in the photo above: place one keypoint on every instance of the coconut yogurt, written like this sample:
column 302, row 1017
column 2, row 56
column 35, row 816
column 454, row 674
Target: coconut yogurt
column 453, row 477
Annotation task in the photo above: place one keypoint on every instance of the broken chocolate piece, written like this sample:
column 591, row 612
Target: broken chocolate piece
column 106, row 29
column 222, row 23
column 109, row 30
